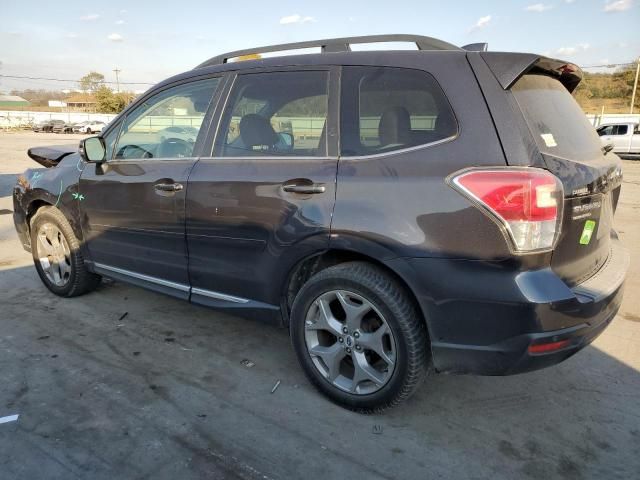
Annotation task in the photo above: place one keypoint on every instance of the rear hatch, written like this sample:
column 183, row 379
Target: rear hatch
column 571, row 149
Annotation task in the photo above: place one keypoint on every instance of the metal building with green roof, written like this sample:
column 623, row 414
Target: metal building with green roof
column 13, row 101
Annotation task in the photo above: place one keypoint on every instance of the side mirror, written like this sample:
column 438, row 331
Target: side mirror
column 92, row 149
column 607, row 148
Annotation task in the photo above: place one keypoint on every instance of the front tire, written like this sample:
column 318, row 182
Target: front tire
column 57, row 256
column 359, row 337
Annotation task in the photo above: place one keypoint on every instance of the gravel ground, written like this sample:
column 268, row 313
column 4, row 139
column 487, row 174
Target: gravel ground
column 124, row 383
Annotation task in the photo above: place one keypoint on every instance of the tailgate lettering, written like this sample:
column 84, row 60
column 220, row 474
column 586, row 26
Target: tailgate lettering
column 584, row 210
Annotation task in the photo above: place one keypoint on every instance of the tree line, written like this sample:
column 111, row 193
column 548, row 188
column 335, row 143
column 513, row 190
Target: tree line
column 616, row 85
column 93, row 83
column 107, row 101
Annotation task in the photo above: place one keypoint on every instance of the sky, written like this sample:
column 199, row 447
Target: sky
column 149, row 40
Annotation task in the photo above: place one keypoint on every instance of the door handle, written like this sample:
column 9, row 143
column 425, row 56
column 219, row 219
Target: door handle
column 304, row 189
column 168, row 187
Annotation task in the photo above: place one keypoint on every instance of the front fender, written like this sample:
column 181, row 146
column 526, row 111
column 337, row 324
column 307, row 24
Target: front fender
column 57, row 186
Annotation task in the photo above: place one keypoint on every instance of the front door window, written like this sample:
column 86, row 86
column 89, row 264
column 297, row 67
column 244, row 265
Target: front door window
column 167, row 125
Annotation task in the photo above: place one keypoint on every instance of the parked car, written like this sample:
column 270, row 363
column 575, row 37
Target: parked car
column 94, row 126
column 624, row 138
column 63, row 128
column 46, row 125
column 38, row 126
column 181, row 132
column 53, row 124
column 402, row 212
column 77, row 125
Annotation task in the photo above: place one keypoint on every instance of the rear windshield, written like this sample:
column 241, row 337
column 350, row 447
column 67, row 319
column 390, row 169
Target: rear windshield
column 557, row 122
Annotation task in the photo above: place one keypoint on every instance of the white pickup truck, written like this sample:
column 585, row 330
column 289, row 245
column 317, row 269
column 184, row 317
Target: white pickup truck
column 623, row 136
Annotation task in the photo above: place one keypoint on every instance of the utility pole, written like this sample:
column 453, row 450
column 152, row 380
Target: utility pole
column 117, row 70
column 635, row 86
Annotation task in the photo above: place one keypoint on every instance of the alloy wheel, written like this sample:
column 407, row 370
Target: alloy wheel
column 350, row 342
column 54, row 254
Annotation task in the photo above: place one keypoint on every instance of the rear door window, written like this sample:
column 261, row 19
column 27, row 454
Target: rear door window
column 386, row 109
column 621, row 130
column 276, row 114
column 555, row 119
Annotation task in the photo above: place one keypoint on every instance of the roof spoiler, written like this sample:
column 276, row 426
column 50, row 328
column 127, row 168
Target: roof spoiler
column 509, row 67
column 476, row 47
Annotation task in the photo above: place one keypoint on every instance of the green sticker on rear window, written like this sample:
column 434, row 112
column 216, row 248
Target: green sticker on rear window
column 587, row 231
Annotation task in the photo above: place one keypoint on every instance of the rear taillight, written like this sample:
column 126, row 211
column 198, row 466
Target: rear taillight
column 527, row 202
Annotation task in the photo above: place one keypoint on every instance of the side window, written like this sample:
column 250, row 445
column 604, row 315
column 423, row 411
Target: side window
column 621, row 130
column 605, row 131
column 276, row 114
column 167, row 124
column 386, row 109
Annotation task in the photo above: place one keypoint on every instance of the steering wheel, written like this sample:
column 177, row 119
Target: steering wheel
column 133, row 151
column 174, row 148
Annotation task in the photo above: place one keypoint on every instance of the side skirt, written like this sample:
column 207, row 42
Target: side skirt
column 209, row 298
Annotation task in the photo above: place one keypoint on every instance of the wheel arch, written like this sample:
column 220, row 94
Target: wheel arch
column 39, row 202
column 312, row 264
column 33, row 206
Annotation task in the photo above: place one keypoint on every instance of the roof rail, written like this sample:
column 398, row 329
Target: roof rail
column 335, row 45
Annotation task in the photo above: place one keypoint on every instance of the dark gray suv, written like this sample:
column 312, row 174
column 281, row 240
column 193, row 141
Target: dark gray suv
column 401, row 212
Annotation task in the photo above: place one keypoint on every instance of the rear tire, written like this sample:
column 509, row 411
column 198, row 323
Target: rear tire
column 57, row 256
column 360, row 308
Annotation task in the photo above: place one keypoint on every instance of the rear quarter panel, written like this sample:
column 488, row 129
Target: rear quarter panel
column 401, row 201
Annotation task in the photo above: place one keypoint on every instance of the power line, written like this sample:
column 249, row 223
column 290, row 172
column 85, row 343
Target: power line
column 117, row 82
column 68, row 80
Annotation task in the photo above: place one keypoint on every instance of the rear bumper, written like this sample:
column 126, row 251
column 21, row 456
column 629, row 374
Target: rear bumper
column 484, row 317
column 512, row 356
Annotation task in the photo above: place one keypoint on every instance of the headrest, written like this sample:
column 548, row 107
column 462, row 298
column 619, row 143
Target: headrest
column 257, row 131
column 395, row 126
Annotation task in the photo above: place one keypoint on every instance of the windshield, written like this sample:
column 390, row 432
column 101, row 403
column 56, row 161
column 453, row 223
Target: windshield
column 555, row 119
